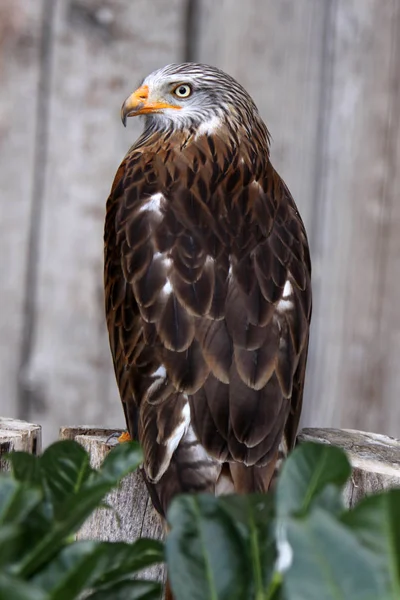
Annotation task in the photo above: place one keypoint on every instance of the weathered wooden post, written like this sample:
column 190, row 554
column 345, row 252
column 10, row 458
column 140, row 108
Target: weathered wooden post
column 133, row 515
column 18, row 435
column 375, row 459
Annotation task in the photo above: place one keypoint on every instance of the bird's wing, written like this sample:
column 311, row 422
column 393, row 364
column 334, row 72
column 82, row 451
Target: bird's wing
column 255, row 345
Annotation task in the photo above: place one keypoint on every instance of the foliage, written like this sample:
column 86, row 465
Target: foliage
column 296, row 544
column 43, row 502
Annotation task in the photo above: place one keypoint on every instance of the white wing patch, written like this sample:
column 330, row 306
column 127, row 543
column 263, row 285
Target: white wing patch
column 166, row 260
column 287, row 290
column 285, row 303
column 172, row 442
column 161, row 376
column 161, row 372
column 154, row 204
column 167, row 288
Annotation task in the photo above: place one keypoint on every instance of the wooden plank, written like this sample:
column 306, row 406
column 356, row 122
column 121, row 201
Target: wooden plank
column 389, row 419
column 100, row 55
column 356, row 324
column 20, row 40
column 19, row 436
column 375, row 459
column 276, row 51
column 131, row 515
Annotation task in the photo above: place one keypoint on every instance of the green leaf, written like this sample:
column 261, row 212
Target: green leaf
column 90, row 564
column 313, row 473
column 254, row 515
column 80, row 507
column 12, row 541
column 65, row 467
column 125, row 559
column 16, row 500
column 17, row 505
column 375, row 521
column 25, row 467
column 83, row 499
column 205, row 552
column 71, row 571
column 14, row 589
column 328, row 561
column 129, row 590
column 122, row 459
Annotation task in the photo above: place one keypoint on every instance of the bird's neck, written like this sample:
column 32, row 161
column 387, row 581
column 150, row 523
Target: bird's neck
column 215, row 141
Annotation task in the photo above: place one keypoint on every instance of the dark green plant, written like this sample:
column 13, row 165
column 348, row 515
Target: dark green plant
column 43, row 502
column 298, row 543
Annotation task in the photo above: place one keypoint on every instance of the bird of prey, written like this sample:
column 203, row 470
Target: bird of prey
column 207, row 288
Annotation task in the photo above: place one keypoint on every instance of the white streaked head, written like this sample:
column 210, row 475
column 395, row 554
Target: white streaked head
column 190, row 95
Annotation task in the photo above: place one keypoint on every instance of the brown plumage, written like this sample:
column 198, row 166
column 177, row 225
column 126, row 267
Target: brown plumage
column 207, row 288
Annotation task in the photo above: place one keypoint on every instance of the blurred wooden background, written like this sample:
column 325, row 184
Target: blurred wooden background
column 326, row 77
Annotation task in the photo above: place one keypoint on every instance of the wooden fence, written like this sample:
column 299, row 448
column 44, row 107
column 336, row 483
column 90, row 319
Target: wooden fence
column 326, row 77
column 375, row 461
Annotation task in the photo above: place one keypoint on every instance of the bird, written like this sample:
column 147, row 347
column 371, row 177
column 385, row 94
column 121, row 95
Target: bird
column 207, row 278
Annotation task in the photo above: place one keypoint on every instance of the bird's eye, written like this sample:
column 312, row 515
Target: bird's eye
column 183, row 91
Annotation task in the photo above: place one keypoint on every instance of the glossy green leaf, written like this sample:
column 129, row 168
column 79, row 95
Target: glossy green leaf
column 123, row 459
column 17, row 500
column 80, row 507
column 71, row 571
column 254, row 516
column 12, row 542
column 312, row 473
column 65, row 468
column 12, row 588
column 25, row 467
column 206, row 556
column 90, row 564
column 129, row 590
column 376, row 523
column 125, row 559
column 82, row 499
column 327, row 561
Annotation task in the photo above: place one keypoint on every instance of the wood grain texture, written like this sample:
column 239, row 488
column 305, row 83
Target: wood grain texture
column 99, row 55
column 20, row 38
column 375, row 459
column 275, row 50
column 132, row 515
column 353, row 381
column 19, row 436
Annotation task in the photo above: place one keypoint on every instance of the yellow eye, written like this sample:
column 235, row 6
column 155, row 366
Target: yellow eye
column 183, row 91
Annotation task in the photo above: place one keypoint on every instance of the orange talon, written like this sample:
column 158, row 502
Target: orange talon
column 124, row 437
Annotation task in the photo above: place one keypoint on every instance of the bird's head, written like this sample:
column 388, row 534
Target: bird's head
column 191, row 96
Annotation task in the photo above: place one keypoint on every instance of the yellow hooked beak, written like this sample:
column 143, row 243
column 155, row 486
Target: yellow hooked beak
column 138, row 104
